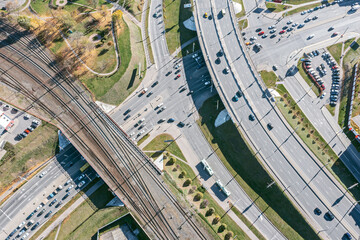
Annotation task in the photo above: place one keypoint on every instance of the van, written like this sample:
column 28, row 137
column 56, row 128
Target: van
column 223, row 12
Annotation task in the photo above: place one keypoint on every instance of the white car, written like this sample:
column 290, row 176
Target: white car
column 207, row 83
column 289, row 22
column 303, row 13
column 271, row 27
column 43, row 174
column 69, row 188
column 21, row 224
column 322, row 96
column 81, row 184
column 310, row 37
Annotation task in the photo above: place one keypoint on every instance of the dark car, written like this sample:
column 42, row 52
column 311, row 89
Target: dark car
column 272, row 36
column 127, row 111
column 149, row 94
column 168, row 73
column 330, row 29
column 181, row 124
column 317, row 211
column 251, row 117
column 66, row 195
column 171, row 120
column 183, row 89
column 347, row 236
column 154, row 84
column 53, row 202
column 41, row 212
column 258, row 30
column 35, row 226
column 190, row 92
column 177, row 71
column 270, row 126
column 235, row 98
column 127, row 117
column 285, row 27
column 329, row 216
column 48, row 214
column 58, row 204
column 239, row 94
column 31, row 214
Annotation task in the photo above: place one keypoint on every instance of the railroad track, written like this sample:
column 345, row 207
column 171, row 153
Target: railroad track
column 117, row 140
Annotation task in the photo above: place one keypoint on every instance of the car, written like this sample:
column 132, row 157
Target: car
column 190, row 92
column 322, row 96
column 310, row 36
column 81, row 184
column 26, row 116
column 282, row 31
column 27, row 131
column 294, row 24
column 289, row 22
column 330, row 29
column 42, row 174
column 309, row 10
column 69, row 188
column 162, row 120
column 251, row 117
column 270, row 126
column 322, row 86
column 272, row 36
column 168, row 73
column 207, row 83
column 154, row 84
column 289, row 29
column 273, row 30
column 177, row 76
column 285, row 27
column 177, row 66
column 127, row 111
column 149, row 94
column 30, row 216
column 20, row 225
column 65, row 196
column 220, row 53
column 258, row 30
column 81, row 177
column 181, row 124
column 53, row 202
column 261, row 33
column 334, row 67
column 271, row 27
column 315, row 17
column 205, row 15
column 35, row 226
column 227, row 70
column 183, row 89
column 41, row 212
column 303, row 12
column 58, row 204
column 301, row 25
column 307, row 20
column 48, row 214
column 329, row 216
column 334, row 34
column 347, row 236
column 239, row 94
column 127, row 117
column 264, row 36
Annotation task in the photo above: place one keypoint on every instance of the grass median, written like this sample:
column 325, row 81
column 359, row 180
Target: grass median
column 335, row 51
column 164, row 142
column 276, row 7
column 300, row 9
column 242, row 163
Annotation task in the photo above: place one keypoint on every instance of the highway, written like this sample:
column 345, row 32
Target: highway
column 62, row 167
column 183, row 107
column 123, row 167
column 284, row 155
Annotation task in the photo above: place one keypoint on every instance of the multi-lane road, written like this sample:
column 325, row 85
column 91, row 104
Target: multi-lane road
column 292, row 164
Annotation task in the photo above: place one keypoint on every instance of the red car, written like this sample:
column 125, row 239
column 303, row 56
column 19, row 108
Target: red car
column 322, row 86
column 261, row 33
column 282, row 31
column 27, row 131
column 334, row 34
column 177, row 76
column 335, row 67
column 308, row 67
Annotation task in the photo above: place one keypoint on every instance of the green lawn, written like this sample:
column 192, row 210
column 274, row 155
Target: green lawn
column 269, row 78
column 143, row 139
column 243, row 24
column 348, row 42
column 134, row 7
column 41, row 7
column 335, row 51
column 303, row 8
column 248, row 171
column 298, row 1
column 174, row 16
column 38, row 146
column 158, row 144
column 148, row 43
column 276, row 7
column 312, row 138
column 307, row 79
column 331, row 109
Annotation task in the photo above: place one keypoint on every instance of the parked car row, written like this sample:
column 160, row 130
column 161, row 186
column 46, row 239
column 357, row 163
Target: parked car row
column 311, row 71
column 336, row 83
column 34, row 124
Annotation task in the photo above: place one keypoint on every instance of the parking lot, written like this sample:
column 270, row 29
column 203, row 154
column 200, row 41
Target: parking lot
column 22, row 121
column 326, row 72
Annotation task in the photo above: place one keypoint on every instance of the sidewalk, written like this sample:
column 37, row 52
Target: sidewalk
column 70, row 209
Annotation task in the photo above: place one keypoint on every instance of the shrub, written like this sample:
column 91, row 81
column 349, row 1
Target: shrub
column 201, row 189
column 216, row 219
column 182, row 174
column 204, row 203
column 171, row 161
column 187, row 182
column 191, row 191
column 198, row 196
column 222, row 228
column 228, row 235
column 209, row 212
